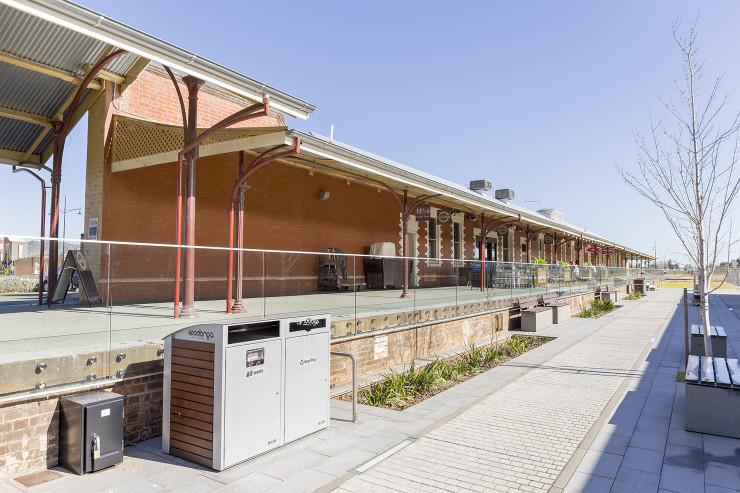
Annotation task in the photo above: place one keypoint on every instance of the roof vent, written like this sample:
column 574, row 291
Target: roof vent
column 553, row 214
column 480, row 186
column 505, row 195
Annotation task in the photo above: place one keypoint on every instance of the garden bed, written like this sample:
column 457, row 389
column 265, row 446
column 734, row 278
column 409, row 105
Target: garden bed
column 598, row 308
column 401, row 390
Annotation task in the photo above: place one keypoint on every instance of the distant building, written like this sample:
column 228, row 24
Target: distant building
column 14, row 248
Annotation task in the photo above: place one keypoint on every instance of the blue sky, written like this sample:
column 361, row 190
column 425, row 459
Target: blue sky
column 542, row 97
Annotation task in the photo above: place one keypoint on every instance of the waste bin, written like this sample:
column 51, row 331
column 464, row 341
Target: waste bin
column 90, row 431
column 639, row 283
column 235, row 390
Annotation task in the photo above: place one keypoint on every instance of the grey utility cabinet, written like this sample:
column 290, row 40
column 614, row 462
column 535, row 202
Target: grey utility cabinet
column 90, row 431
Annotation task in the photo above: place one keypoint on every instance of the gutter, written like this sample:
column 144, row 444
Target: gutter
column 370, row 163
column 97, row 26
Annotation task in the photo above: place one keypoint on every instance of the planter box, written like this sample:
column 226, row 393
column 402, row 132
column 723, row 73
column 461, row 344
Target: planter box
column 713, row 406
column 532, row 321
column 610, row 295
column 560, row 313
column 716, row 334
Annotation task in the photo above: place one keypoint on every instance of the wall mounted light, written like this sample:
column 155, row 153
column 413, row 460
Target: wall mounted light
column 323, row 195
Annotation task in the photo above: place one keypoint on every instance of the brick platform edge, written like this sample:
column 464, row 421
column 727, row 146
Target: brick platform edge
column 29, row 429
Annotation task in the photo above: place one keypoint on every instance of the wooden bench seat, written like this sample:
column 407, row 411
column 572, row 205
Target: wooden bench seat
column 712, row 402
column 560, row 310
column 608, row 293
column 534, row 317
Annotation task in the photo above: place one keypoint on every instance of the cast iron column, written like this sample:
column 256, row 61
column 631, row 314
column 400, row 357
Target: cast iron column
column 188, row 302
column 405, row 293
column 56, row 178
column 238, row 306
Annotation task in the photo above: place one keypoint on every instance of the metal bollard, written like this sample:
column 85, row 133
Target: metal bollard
column 354, row 380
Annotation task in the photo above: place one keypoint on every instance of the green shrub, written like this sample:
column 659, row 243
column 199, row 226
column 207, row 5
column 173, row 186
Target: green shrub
column 15, row 285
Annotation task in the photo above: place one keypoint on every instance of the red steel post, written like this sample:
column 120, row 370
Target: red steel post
column 193, row 84
column 238, row 306
column 405, row 217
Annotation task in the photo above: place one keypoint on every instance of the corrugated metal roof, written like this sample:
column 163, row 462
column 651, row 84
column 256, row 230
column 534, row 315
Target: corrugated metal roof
column 16, row 135
column 65, row 38
column 31, row 38
column 32, row 92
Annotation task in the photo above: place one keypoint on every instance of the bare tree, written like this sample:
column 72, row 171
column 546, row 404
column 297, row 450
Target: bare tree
column 688, row 170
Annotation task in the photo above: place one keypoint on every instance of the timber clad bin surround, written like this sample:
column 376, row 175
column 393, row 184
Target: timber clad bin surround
column 191, row 401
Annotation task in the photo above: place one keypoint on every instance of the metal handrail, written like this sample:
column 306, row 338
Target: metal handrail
column 354, row 380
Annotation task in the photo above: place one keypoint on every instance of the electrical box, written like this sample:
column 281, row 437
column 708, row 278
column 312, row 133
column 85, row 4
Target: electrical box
column 236, row 390
column 90, row 431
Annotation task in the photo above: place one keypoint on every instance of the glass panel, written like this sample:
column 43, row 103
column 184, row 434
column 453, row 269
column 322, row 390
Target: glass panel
column 380, row 304
column 436, row 295
column 47, row 346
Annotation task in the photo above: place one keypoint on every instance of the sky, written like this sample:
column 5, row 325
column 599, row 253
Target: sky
column 542, row 97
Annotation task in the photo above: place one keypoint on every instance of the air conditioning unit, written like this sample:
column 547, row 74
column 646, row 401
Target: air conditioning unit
column 505, row 194
column 480, row 185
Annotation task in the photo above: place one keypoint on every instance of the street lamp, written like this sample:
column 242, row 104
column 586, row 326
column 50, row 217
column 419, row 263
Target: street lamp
column 64, row 224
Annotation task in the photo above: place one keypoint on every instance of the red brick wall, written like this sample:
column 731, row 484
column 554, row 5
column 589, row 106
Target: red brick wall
column 29, row 430
column 153, row 96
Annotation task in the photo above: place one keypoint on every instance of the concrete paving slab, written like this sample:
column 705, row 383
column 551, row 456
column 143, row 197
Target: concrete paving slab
column 679, row 455
column 681, row 479
column 600, row 464
column 632, row 480
column 649, row 439
column 643, row 460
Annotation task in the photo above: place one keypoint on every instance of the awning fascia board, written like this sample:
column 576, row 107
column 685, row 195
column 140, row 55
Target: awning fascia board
column 225, row 147
column 97, row 26
column 13, row 158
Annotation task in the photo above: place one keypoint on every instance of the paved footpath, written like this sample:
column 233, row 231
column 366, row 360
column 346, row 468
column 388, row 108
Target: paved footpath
column 581, row 413
column 521, row 437
column 642, row 446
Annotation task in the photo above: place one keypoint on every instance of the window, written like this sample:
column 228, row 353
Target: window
column 456, row 242
column 433, row 253
column 506, row 257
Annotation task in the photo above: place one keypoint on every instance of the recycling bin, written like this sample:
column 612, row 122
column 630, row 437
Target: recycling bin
column 236, row 390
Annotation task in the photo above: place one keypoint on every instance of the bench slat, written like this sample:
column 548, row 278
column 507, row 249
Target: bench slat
column 734, row 368
column 707, row 369
column 720, row 331
column 692, row 369
column 720, row 369
column 696, row 330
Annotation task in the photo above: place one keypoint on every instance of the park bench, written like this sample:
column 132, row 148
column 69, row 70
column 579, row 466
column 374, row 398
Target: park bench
column 712, row 403
column 608, row 293
column 717, row 336
column 560, row 310
column 534, row 317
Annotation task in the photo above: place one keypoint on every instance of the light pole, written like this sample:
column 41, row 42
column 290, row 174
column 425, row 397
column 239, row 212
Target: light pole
column 64, row 223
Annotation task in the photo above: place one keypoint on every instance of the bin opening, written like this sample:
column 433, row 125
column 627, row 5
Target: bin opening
column 253, row 331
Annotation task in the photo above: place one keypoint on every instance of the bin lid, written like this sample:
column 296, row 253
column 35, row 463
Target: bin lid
column 302, row 325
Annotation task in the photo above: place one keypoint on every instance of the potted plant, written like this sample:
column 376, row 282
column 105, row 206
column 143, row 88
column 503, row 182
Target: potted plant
column 539, row 271
column 565, row 273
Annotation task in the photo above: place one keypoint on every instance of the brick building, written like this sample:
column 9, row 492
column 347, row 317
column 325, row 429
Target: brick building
column 131, row 189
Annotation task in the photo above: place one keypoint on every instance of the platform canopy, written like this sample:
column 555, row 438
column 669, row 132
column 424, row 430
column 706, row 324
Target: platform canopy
column 347, row 162
column 47, row 47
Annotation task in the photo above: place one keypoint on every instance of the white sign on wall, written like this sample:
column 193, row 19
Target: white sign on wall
column 381, row 347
